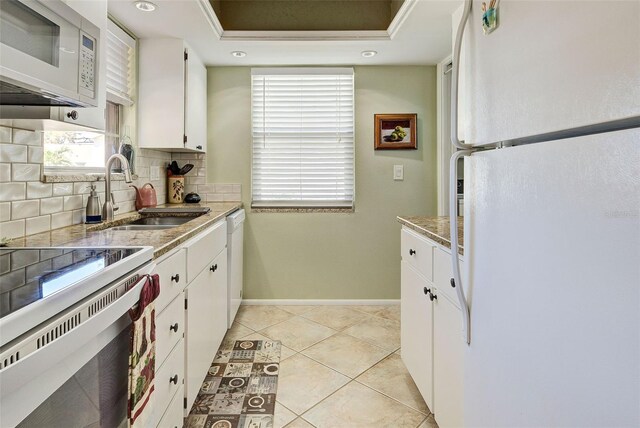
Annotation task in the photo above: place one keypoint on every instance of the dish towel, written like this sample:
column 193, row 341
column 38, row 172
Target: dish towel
column 142, row 353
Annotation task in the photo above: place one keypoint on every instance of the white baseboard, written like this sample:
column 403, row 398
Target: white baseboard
column 314, row 302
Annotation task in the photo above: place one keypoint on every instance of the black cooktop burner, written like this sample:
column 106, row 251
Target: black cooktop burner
column 28, row 275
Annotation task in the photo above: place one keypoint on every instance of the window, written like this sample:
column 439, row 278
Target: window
column 84, row 151
column 303, row 137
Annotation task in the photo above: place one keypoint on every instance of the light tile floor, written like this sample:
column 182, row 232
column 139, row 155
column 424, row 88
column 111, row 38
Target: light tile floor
column 340, row 366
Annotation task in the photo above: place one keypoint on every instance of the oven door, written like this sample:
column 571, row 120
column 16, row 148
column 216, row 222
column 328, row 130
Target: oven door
column 40, row 47
column 79, row 379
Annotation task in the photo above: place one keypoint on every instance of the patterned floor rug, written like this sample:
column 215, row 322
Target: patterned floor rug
column 240, row 388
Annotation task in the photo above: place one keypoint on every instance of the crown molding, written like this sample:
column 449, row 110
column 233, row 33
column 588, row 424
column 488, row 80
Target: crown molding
column 211, row 18
column 401, row 16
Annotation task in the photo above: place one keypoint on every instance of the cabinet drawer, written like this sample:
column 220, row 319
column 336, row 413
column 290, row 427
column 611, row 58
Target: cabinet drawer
column 173, row 416
column 418, row 252
column 165, row 388
column 169, row 328
column 205, row 247
column 443, row 272
column 173, row 278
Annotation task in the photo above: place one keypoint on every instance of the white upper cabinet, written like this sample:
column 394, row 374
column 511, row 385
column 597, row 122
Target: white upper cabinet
column 172, row 95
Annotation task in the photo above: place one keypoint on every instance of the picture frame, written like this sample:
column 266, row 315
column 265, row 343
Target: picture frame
column 396, row 131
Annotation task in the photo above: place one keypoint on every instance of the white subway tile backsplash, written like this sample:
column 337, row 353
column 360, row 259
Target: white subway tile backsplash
column 213, row 197
column 35, row 154
column 29, row 138
column 37, row 190
column 24, row 209
column 237, row 188
column 51, row 205
column 5, row 211
column 62, row 219
column 206, row 188
column 5, row 134
column 224, row 188
column 82, row 187
column 78, row 216
column 72, row 202
column 13, row 191
column 5, row 172
column 38, row 224
column 12, row 229
column 26, row 172
column 61, row 189
column 13, row 153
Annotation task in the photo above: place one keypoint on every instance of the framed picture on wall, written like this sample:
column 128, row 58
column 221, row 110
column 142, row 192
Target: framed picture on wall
column 396, row 131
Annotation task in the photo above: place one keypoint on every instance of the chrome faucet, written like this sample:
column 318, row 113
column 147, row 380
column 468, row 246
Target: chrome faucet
column 109, row 204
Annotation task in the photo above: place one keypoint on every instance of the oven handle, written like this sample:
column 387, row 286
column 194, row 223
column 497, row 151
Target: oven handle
column 61, row 358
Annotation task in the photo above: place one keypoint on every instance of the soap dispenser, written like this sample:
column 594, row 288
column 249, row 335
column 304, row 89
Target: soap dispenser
column 94, row 208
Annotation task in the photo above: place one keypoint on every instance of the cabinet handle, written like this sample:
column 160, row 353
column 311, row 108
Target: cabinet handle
column 175, row 277
column 213, row 268
column 411, row 251
column 453, row 282
column 199, row 147
column 433, row 297
column 174, row 379
column 426, row 290
column 174, row 327
column 73, row 115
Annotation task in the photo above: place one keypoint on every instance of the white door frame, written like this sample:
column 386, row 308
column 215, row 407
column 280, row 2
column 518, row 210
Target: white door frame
column 444, row 146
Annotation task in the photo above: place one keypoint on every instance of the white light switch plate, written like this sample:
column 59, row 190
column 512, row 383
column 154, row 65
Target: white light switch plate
column 154, row 173
column 398, row 172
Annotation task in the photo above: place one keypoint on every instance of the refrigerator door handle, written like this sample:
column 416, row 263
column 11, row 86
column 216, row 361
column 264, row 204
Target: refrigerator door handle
column 453, row 224
column 455, row 77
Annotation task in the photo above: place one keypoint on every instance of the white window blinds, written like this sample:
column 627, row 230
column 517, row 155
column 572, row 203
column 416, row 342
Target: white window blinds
column 303, row 137
column 120, row 65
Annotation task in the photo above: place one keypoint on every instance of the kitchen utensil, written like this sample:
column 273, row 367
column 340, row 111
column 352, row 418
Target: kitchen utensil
column 192, row 198
column 175, row 169
column 188, row 167
column 126, row 149
column 94, row 207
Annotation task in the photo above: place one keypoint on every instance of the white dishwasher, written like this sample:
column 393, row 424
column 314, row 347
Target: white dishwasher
column 235, row 223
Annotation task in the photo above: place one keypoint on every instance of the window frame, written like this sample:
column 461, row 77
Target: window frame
column 302, row 205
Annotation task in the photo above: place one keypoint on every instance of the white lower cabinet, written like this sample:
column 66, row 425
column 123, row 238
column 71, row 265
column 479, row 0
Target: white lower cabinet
column 206, row 306
column 191, row 321
column 447, row 363
column 431, row 330
column 417, row 330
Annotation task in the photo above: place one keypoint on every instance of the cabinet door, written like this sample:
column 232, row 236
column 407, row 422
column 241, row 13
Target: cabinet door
column 448, row 346
column 195, row 120
column 206, row 322
column 416, row 330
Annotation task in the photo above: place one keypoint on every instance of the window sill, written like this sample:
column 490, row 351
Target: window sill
column 304, row 210
column 80, row 177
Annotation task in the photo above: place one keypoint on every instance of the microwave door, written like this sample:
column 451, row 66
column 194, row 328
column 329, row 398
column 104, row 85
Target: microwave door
column 39, row 48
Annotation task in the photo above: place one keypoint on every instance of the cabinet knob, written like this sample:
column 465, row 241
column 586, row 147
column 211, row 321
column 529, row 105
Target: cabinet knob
column 411, row 251
column 175, row 277
column 426, row 290
column 213, row 268
column 174, row 327
column 433, row 297
column 199, row 147
column 73, row 114
column 174, row 379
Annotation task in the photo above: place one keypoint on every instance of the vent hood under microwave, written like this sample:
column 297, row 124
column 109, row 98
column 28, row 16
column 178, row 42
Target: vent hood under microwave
column 49, row 55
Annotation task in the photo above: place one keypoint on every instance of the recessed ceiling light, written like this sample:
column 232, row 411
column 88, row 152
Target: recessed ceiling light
column 238, row 54
column 146, row 6
column 368, row 54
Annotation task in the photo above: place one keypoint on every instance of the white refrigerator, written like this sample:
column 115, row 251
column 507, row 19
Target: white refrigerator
column 552, row 229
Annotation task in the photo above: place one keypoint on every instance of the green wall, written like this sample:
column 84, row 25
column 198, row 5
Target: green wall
column 327, row 255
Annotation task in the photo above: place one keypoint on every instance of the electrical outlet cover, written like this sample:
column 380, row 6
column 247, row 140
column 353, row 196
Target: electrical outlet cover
column 398, row 172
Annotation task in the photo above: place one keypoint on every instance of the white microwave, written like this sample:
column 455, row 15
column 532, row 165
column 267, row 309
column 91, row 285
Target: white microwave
column 48, row 55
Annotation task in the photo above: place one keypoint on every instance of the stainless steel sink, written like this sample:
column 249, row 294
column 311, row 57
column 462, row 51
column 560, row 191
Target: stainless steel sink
column 154, row 223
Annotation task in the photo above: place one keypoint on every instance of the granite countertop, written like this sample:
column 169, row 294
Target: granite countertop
column 163, row 240
column 434, row 228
